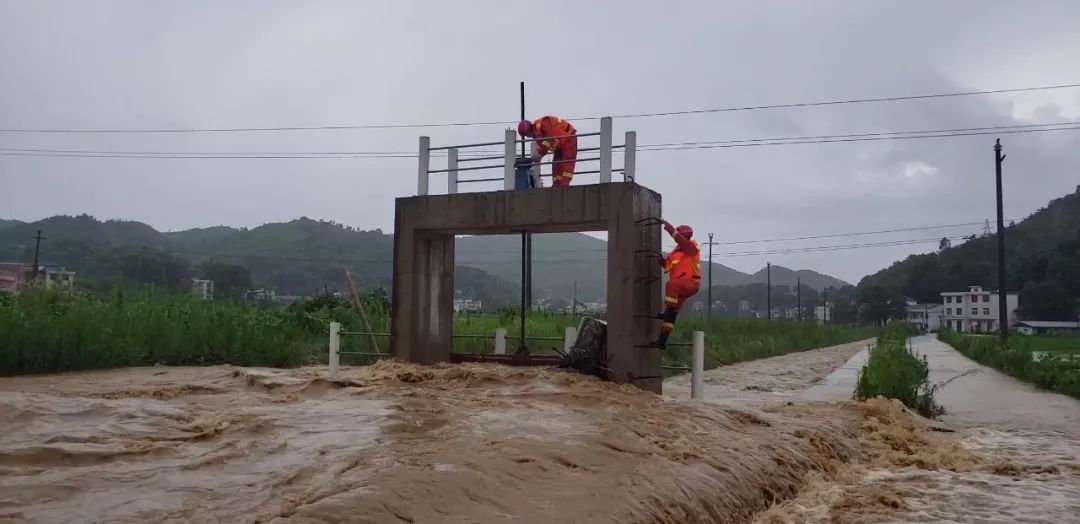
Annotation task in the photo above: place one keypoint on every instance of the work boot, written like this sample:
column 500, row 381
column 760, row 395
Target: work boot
column 657, row 344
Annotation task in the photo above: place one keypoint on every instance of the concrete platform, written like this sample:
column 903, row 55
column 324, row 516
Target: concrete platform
column 423, row 292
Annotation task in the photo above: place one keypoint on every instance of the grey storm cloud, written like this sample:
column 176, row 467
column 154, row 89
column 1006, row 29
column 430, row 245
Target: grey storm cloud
column 183, row 64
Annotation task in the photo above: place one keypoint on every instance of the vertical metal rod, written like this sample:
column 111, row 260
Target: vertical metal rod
column 335, row 348
column 523, row 116
column 508, row 159
column 768, row 289
column 605, row 149
column 425, row 165
column 630, row 157
column 527, row 237
column 1003, row 292
column 451, row 173
column 697, row 365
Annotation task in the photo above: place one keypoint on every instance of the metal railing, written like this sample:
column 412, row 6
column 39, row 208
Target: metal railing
column 696, row 369
column 509, row 158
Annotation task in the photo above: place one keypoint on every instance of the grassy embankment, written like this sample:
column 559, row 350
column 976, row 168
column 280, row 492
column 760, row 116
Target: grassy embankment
column 893, row 371
column 1055, row 369
column 48, row 331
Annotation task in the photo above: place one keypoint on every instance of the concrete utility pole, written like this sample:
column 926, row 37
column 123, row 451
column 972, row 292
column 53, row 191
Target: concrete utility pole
column 768, row 289
column 37, row 248
column 825, row 306
column 708, row 294
column 798, row 296
column 1003, row 308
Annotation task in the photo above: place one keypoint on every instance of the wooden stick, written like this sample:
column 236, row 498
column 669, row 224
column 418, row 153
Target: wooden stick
column 360, row 307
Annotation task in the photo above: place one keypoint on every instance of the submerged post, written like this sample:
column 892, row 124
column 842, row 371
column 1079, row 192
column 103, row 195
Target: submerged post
column 697, row 365
column 500, row 341
column 630, row 157
column 569, row 337
column 335, row 348
column 451, row 170
column 605, row 149
column 425, row 166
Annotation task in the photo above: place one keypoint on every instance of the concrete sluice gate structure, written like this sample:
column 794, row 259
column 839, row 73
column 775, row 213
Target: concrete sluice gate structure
column 425, row 227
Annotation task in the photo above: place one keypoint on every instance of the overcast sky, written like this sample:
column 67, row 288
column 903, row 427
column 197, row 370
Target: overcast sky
column 199, row 64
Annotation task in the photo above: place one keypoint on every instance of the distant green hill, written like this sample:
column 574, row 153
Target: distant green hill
column 782, row 276
column 5, row 223
column 1042, row 263
column 304, row 255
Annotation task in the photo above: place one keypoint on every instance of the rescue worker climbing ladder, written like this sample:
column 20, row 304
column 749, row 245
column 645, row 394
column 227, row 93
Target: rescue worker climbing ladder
column 683, row 266
column 557, row 136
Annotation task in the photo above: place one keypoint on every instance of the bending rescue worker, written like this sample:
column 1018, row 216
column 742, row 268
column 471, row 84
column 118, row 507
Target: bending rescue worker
column 683, row 266
column 556, row 136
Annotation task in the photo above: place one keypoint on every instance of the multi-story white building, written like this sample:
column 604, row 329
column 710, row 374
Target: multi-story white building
column 203, row 288
column 926, row 317
column 976, row 310
column 467, row 305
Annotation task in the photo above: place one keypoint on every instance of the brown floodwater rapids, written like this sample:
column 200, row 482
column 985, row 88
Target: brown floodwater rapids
column 398, row 442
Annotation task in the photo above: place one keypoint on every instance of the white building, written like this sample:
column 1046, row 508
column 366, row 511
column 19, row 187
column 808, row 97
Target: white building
column 975, row 310
column 57, row 276
column 467, row 305
column 823, row 314
column 926, row 317
column 203, row 288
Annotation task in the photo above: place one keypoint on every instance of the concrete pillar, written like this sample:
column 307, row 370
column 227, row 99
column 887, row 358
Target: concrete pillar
column 632, row 294
column 423, row 295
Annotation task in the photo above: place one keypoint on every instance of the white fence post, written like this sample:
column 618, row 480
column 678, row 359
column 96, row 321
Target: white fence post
column 425, row 166
column 630, row 157
column 697, row 365
column 335, row 348
column 534, row 171
column 500, row 341
column 451, row 173
column 569, row 337
column 510, row 157
column 605, row 149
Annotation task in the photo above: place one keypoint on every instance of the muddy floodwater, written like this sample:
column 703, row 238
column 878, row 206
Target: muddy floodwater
column 485, row 443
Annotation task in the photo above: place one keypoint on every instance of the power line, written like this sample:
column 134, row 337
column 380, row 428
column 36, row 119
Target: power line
column 858, row 135
column 869, row 137
column 581, row 118
column 863, row 139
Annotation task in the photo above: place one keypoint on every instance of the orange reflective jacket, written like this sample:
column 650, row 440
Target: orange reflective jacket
column 684, row 261
column 551, row 132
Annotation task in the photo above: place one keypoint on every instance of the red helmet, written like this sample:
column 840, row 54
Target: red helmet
column 685, row 231
column 525, row 128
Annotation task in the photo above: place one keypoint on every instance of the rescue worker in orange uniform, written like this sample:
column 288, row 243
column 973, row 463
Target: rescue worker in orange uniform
column 553, row 135
column 683, row 266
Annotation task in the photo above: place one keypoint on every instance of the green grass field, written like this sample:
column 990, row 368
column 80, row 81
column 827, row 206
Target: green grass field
column 45, row 331
column 892, row 371
column 1051, row 370
column 1052, row 343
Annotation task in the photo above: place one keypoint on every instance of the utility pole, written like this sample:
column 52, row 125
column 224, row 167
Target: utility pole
column 798, row 296
column 708, row 294
column 825, row 306
column 1003, row 308
column 573, row 301
column 768, row 289
column 37, row 249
